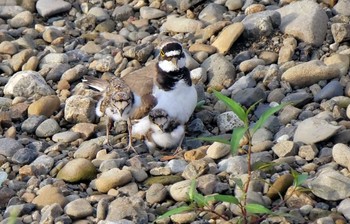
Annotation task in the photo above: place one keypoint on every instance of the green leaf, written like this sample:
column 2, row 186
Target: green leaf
column 252, row 107
column 214, row 139
column 264, row 166
column 257, row 209
column 237, row 135
column 300, row 179
column 266, row 116
column 225, row 198
column 238, row 182
column 200, row 200
column 192, row 191
column 175, row 211
column 234, row 106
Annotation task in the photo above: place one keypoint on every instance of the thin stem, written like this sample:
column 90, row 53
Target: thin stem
column 249, row 158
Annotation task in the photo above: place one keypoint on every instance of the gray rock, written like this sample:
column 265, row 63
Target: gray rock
column 39, row 146
column 288, row 114
column 314, row 130
column 341, row 154
column 227, row 121
column 206, row 184
column 181, row 25
column 176, row 165
column 52, row 59
column 79, row 208
column 47, row 128
column 139, row 52
column 122, row 13
column 22, row 19
column 330, row 185
column 5, row 103
column 261, row 24
column 243, row 83
column 25, row 156
column 234, row 4
column 112, row 163
column 57, row 71
column 10, row 11
column 100, row 13
column 249, row 96
column 101, row 210
column 65, row 137
column 156, row 193
column 21, row 209
column 151, row 13
column 137, row 173
column 47, row 8
column 79, row 109
column 196, row 126
column 342, row 7
column 133, row 208
column 285, row 148
column 344, row 208
column 43, row 164
column 183, row 5
column 87, row 150
column 261, row 135
column 9, row 146
column 51, row 212
column 27, row 84
column 332, row 89
column 31, row 123
column 179, row 191
column 219, row 78
column 212, row 13
column 304, row 20
column 298, row 99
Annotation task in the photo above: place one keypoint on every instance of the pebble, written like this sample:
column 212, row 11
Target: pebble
column 330, row 184
column 65, row 137
column 332, row 89
column 156, row 193
column 127, row 208
column 219, row 78
column 308, row 73
column 187, row 217
column 344, row 208
column 179, row 191
column 249, row 65
column 285, row 148
column 309, row 17
column 84, row 111
column 9, row 146
column 47, row 128
column 51, row 212
column 79, row 208
column 25, row 156
column 47, row 8
column 227, row 121
column 181, row 25
column 341, row 153
column 212, row 13
column 307, row 129
column 176, row 165
column 46, row 106
column 56, row 196
column 218, row 150
column 151, row 13
column 112, row 178
column 27, row 84
column 31, row 123
column 77, row 170
column 308, row 152
column 22, row 19
column 7, row 47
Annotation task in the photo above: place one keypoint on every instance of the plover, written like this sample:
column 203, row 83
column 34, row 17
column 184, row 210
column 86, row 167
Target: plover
column 160, row 130
column 117, row 102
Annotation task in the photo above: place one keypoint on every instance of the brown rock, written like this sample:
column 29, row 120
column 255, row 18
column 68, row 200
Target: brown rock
column 85, row 129
column 196, row 154
column 46, row 105
column 19, row 110
column 280, row 186
column 197, row 47
column 228, row 36
column 296, row 198
column 48, row 195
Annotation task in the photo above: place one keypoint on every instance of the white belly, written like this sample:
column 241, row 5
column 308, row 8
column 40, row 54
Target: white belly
column 179, row 102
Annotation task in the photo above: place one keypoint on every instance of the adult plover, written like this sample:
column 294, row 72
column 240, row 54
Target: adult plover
column 160, row 130
column 117, row 102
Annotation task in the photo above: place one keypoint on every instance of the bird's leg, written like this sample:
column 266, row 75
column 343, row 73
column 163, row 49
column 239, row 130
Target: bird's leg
column 179, row 149
column 108, row 127
column 130, row 147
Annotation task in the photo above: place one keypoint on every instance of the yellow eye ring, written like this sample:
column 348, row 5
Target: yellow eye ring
column 162, row 53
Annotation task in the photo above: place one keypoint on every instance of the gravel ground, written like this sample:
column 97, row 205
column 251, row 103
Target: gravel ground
column 55, row 166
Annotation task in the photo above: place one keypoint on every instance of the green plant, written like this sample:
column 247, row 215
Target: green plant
column 198, row 202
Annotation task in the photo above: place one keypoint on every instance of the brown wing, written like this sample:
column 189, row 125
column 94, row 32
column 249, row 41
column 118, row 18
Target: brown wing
column 141, row 80
column 141, row 83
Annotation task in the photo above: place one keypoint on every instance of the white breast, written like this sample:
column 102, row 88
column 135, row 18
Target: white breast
column 179, row 102
column 168, row 140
